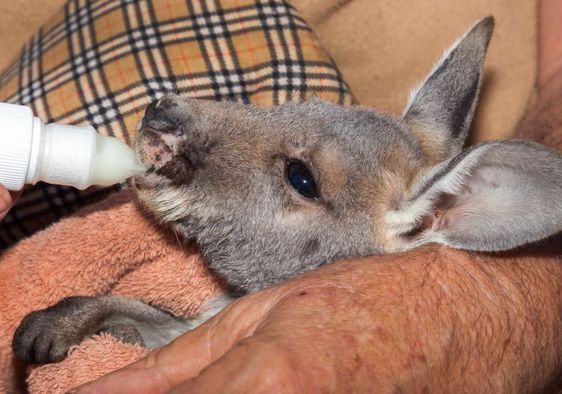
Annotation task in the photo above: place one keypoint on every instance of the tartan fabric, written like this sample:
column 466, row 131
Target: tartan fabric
column 102, row 61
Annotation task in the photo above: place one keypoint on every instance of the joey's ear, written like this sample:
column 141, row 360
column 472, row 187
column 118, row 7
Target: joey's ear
column 441, row 109
column 494, row 196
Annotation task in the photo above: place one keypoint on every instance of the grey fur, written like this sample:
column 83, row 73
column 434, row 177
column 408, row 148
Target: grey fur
column 216, row 175
column 45, row 336
column 233, row 199
column 444, row 104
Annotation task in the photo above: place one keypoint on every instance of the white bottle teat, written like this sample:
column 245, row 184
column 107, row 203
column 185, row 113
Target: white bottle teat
column 31, row 151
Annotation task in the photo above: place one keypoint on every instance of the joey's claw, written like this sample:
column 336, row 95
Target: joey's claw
column 41, row 339
column 45, row 336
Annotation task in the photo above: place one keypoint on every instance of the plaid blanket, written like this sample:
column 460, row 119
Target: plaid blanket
column 100, row 62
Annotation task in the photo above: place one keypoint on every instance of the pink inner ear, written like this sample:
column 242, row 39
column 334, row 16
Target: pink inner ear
column 483, row 194
column 441, row 220
column 495, row 197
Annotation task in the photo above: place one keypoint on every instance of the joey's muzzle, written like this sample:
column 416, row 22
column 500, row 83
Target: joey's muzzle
column 162, row 141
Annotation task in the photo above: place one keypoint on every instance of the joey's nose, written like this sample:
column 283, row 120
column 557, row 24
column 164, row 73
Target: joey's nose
column 160, row 116
column 161, row 136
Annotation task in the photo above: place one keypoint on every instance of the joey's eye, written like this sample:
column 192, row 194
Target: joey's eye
column 301, row 179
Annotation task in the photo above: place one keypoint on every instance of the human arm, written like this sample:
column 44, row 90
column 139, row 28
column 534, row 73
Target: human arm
column 7, row 199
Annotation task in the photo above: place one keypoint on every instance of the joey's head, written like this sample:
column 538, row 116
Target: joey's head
column 270, row 193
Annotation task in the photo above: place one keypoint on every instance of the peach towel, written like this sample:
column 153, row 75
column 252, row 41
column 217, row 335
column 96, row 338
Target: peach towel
column 107, row 248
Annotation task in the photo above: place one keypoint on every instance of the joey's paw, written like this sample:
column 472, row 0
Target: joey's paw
column 45, row 336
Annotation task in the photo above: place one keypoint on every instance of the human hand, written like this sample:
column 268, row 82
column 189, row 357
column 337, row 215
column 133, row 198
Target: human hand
column 7, row 199
column 435, row 319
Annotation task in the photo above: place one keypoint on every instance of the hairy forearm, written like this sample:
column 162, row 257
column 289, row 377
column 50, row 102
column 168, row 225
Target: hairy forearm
column 430, row 320
column 434, row 318
column 496, row 320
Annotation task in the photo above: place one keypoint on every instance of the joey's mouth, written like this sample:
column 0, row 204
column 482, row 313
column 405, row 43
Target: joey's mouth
column 145, row 181
column 153, row 149
column 176, row 173
column 165, row 155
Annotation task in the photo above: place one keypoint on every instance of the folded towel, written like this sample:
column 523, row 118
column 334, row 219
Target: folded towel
column 108, row 248
column 92, row 359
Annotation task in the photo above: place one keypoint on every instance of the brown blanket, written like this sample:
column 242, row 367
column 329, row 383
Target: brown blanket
column 383, row 48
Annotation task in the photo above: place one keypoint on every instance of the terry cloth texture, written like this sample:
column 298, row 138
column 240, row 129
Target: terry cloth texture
column 106, row 248
column 100, row 62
